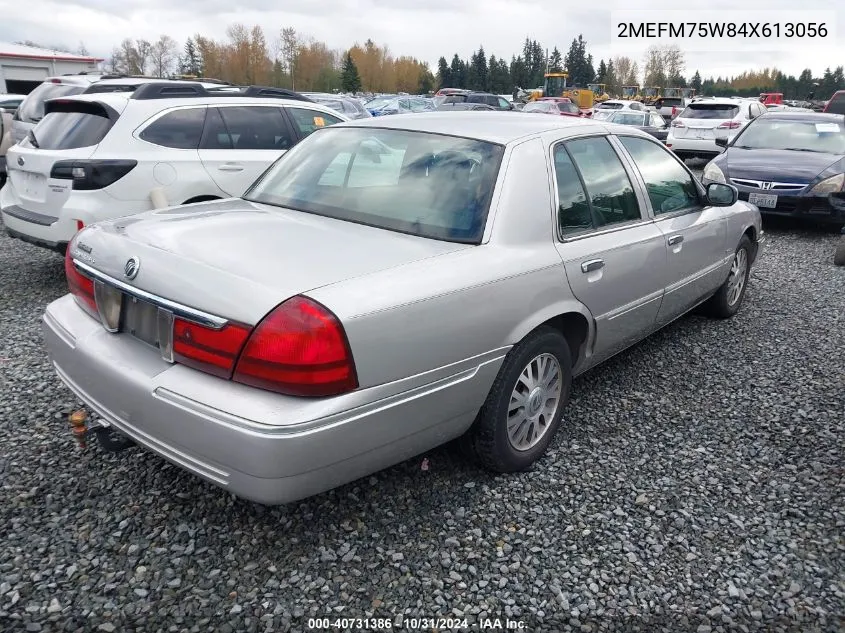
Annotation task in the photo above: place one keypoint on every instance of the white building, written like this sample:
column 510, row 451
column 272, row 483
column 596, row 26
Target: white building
column 22, row 68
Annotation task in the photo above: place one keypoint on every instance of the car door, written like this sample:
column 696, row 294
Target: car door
column 695, row 234
column 240, row 141
column 614, row 256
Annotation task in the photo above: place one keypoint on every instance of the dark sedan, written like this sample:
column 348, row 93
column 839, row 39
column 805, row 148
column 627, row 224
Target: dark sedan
column 453, row 107
column 649, row 122
column 788, row 164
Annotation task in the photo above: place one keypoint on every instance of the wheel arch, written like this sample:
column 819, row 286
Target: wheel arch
column 570, row 318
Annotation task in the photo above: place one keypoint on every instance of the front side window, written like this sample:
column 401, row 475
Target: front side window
column 503, row 104
column 256, row 127
column 179, row 129
column 307, row 121
column 611, row 195
column 670, row 187
column 424, row 184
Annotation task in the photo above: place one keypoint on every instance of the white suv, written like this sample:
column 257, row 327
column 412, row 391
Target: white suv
column 694, row 131
column 100, row 156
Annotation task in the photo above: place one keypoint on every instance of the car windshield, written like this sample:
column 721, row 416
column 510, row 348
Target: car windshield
column 568, row 107
column 31, row 109
column 807, row 136
column 378, row 102
column 627, row 118
column 537, row 106
column 710, row 111
column 424, row 184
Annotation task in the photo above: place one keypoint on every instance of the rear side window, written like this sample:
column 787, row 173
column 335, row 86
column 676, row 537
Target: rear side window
column 837, row 104
column 307, row 121
column 609, row 189
column 257, row 127
column 179, row 129
column 71, row 130
column 31, row 109
column 573, row 211
column 710, row 111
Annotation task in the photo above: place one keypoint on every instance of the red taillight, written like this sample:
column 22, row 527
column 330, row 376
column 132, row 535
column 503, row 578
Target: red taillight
column 674, row 111
column 206, row 349
column 81, row 287
column 299, row 349
column 730, row 125
column 80, row 225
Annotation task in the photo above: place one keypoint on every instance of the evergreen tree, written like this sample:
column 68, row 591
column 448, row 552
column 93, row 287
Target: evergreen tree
column 696, row 81
column 457, row 72
column 519, row 73
column 444, row 76
column 191, row 63
column 350, row 80
column 426, row 82
column 555, row 61
column 601, row 75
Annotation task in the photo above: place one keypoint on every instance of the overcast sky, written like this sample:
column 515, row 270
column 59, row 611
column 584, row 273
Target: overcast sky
column 425, row 29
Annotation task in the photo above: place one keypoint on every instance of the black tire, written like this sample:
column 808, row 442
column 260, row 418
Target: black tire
column 719, row 305
column 488, row 438
column 839, row 254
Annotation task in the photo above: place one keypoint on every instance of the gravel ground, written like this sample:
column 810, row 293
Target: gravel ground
column 698, row 487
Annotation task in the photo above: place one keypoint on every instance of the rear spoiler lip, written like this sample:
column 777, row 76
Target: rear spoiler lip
column 53, row 105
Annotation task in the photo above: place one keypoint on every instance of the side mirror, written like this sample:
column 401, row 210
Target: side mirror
column 721, row 195
column 721, row 141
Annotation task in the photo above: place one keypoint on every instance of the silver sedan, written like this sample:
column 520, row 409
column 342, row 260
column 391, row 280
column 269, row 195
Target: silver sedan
column 387, row 286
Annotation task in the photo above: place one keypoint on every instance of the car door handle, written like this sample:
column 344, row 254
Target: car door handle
column 231, row 167
column 676, row 239
column 593, row 264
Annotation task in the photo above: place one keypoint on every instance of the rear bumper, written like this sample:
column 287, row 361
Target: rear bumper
column 258, row 445
column 699, row 148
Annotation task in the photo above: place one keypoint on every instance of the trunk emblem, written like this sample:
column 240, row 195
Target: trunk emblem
column 21, row 161
column 131, row 268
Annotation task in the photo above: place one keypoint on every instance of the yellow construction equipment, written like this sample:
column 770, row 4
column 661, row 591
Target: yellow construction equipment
column 599, row 92
column 631, row 92
column 651, row 94
column 687, row 93
column 673, row 93
column 554, row 85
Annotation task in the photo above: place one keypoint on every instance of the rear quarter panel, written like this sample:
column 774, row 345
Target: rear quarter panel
column 460, row 308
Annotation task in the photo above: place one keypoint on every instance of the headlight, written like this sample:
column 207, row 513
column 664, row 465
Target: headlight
column 713, row 173
column 830, row 185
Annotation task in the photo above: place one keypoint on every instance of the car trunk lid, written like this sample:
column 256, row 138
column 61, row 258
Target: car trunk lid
column 700, row 120
column 238, row 259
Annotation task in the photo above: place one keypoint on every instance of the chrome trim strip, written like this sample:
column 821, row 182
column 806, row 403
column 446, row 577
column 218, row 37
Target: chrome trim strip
column 182, row 311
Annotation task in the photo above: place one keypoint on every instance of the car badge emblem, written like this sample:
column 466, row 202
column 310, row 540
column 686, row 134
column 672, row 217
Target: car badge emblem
column 131, row 268
column 21, row 161
column 766, row 186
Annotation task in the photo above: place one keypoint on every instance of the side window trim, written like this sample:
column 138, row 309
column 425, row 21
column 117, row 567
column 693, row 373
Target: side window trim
column 643, row 189
column 636, row 183
column 298, row 135
column 206, row 129
column 290, row 126
column 556, row 199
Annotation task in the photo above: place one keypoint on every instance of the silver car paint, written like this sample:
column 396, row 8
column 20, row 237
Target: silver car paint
column 429, row 322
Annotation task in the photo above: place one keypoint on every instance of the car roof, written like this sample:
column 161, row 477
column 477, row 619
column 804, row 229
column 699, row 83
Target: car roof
column 720, row 101
column 622, row 101
column 493, row 127
column 809, row 117
column 76, row 80
column 120, row 99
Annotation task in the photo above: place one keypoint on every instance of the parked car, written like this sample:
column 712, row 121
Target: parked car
column 836, row 104
column 693, row 133
column 382, row 106
column 494, row 101
column 649, row 122
column 380, row 291
column 442, row 95
column 552, row 106
column 669, row 107
column 31, row 109
column 619, row 104
column 131, row 83
column 5, row 141
column 789, row 164
column 453, row 107
column 565, row 106
column 10, row 102
column 101, row 156
column 349, row 107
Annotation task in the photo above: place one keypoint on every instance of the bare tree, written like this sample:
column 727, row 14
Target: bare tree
column 626, row 70
column 655, row 68
column 290, row 51
column 82, row 50
column 164, row 54
column 143, row 51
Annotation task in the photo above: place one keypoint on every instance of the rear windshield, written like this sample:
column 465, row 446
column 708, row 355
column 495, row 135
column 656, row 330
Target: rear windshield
column 609, row 106
column 31, row 109
column 836, row 104
column 710, row 111
column 568, row 107
column 71, row 130
column 805, row 136
column 423, row 184
column 627, row 118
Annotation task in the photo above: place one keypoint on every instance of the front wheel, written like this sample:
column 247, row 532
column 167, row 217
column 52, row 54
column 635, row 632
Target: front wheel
column 525, row 405
column 839, row 255
column 728, row 299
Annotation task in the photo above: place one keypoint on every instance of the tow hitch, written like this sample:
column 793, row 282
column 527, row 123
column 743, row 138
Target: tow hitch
column 81, row 426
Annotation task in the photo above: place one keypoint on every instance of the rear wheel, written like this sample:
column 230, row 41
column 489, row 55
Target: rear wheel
column 525, row 405
column 728, row 299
